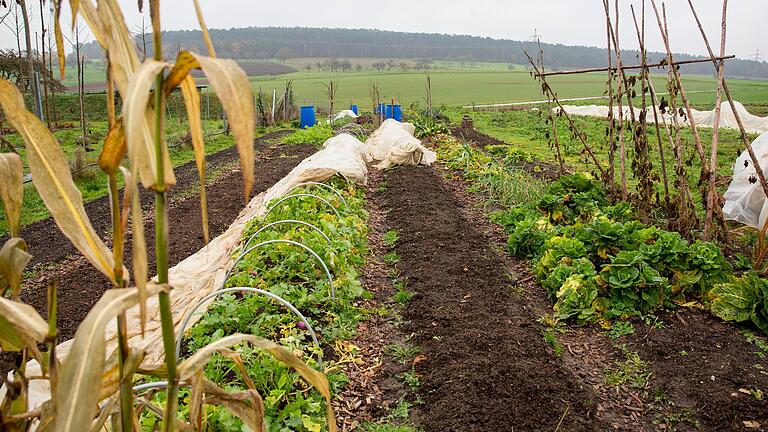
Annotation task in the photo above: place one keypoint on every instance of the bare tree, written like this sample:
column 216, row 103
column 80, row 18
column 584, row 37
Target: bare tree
column 30, row 62
column 330, row 92
column 43, row 32
column 81, row 37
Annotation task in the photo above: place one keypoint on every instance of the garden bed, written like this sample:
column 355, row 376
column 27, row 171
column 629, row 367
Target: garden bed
column 80, row 285
column 680, row 369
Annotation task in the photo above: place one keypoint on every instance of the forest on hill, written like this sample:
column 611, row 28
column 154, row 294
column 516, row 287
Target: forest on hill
column 282, row 43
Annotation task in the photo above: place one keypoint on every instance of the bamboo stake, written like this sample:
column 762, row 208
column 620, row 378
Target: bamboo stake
column 744, row 137
column 712, row 196
column 622, row 149
column 611, row 126
column 628, row 67
column 679, row 81
column 647, row 81
column 573, row 126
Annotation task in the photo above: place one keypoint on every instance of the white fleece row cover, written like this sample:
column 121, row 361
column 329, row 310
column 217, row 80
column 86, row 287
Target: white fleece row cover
column 745, row 200
column 752, row 123
column 203, row 272
column 393, row 143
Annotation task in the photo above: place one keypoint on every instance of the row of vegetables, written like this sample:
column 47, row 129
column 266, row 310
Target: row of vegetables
column 598, row 263
column 292, row 273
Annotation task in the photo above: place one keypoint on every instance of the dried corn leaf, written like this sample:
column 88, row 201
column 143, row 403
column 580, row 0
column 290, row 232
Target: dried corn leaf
column 139, row 244
column 200, row 358
column 247, row 405
column 234, row 90
column 83, row 368
column 20, row 326
column 114, row 149
column 13, row 260
column 137, row 115
column 204, row 28
column 53, row 180
column 185, row 62
column 59, row 37
column 12, row 189
column 192, row 103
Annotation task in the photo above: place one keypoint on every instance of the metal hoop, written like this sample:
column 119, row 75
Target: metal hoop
column 269, row 210
column 291, row 242
column 284, row 221
column 331, row 188
column 284, row 302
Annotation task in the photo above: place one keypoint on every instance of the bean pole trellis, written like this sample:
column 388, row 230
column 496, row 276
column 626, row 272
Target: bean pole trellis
column 679, row 209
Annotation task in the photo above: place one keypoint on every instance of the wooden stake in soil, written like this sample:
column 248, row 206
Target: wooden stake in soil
column 724, row 86
column 676, row 74
column 611, row 126
column 648, row 83
column 547, row 90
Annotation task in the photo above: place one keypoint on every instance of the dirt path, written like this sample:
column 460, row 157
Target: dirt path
column 80, row 285
column 486, row 365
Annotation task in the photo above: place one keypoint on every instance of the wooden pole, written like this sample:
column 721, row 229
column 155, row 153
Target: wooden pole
column 628, row 67
column 744, row 137
column 681, row 88
column 647, row 80
column 574, row 128
column 622, row 149
column 611, row 126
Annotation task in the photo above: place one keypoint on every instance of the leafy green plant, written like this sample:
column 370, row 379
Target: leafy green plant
column 390, row 238
column 619, row 329
column 632, row 285
column 392, row 258
column 315, row 135
column 743, row 300
column 632, row 371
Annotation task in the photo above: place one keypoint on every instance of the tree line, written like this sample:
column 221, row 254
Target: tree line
column 298, row 42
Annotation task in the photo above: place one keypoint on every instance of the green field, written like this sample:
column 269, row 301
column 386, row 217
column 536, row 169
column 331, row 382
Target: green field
column 467, row 87
column 461, row 83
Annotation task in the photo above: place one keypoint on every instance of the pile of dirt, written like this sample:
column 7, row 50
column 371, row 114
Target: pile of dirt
column 485, row 366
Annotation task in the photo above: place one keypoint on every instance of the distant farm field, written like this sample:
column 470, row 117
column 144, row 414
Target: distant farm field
column 468, row 87
column 453, row 83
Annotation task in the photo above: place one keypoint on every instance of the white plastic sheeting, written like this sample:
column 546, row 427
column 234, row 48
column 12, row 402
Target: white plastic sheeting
column 344, row 114
column 752, row 123
column 393, row 143
column 745, row 200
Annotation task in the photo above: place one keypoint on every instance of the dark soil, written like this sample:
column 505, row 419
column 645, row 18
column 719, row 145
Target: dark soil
column 539, row 170
column 485, row 365
column 80, row 285
column 705, row 367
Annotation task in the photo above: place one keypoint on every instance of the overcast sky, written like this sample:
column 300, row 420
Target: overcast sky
column 570, row 22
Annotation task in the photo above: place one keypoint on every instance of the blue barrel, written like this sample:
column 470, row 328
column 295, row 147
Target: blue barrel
column 307, row 116
column 353, row 108
column 398, row 114
column 382, row 108
column 388, row 111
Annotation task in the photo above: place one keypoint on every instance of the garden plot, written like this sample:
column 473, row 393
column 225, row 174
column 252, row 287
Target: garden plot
column 681, row 369
column 81, row 285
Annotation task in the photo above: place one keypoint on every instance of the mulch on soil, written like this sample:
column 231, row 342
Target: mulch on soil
column 80, row 285
column 486, row 366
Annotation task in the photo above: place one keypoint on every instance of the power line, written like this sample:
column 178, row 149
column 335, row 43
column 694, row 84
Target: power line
column 757, row 57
